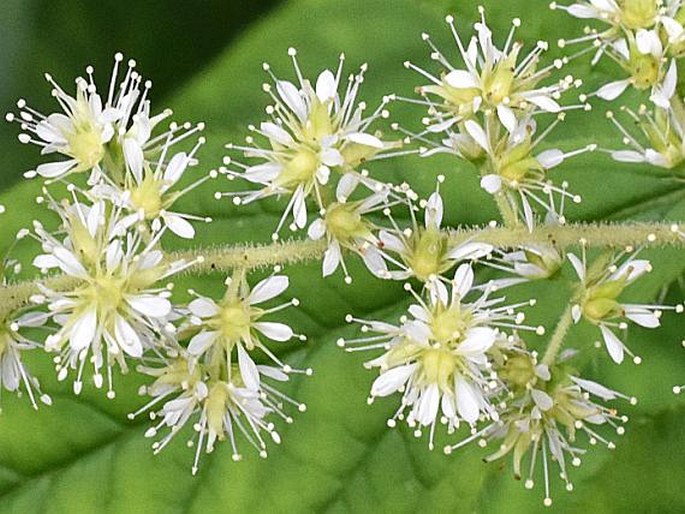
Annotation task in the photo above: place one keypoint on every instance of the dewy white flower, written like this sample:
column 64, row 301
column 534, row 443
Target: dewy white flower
column 344, row 227
column 520, row 175
column 111, row 136
column 425, row 252
column 543, row 418
column 439, row 357
column 219, row 406
column 114, row 309
column 598, row 302
column 313, row 132
column 664, row 131
column 492, row 79
column 13, row 372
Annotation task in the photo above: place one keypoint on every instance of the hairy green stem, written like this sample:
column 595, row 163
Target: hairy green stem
column 557, row 340
column 224, row 259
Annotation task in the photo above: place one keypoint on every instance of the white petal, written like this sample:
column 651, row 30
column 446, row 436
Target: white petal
column 150, row 305
column 276, row 133
column 613, row 344
column 274, row 331
column 127, row 338
column 203, row 307
column 365, row 139
column 262, row 173
column 582, row 11
column 179, row 226
column 478, row 134
column 463, row 280
column 468, row 404
column 542, row 399
column 507, row 117
column 175, row 168
column 300, row 208
column 292, row 98
column 346, row 186
column 434, row 211
column 596, row 389
column 577, row 266
column 627, row 156
column 133, row 154
column 550, row 158
column 461, row 79
column 391, row 380
column 83, row 331
column 544, row 102
column 326, row 88
column 248, row 369
column 643, row 317
column 491, row 183
column 478, row 340
column 428, row 405
column 69, row 263
column 331, row 157
column 201, row 342
column 317, row 229
column 470, row 251
column 55, row 169
column 331, row 259
column 613, row 90
column 268, row 288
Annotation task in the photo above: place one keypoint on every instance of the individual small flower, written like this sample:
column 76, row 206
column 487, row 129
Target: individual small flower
column 663, row 130
column 439, row 357
column 425, row 251
column 219, row 404
column 313, row 131
column 109, row 136
column 492, row 79
column 598, row 299
column 621, row 14
column 643, row 58
column 547, row 410
column 113, row 307
column 13, row 372
column 236, row 322
column 529, row 262
column 512, row 169
column 344, row 226
column 151, row 192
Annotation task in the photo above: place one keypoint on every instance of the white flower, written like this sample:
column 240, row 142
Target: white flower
column 344, row 227
column 111, row 136
column 439, row 357
column 13, row 373
column 111, row 308
column 644, row 59
column 492, row 79
column 598, row 302
column 425, row 251
column 543, row 420
column 664, row 130
column 519, row 174
column 236, row 322
column 529, row 262
column 313, row 132
column 151, row 192
column 219, row 406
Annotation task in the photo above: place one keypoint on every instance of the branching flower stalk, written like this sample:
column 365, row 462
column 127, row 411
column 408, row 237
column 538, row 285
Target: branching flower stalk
column 462, row 355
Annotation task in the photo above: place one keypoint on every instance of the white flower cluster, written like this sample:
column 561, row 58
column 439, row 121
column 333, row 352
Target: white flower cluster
column 105, row 302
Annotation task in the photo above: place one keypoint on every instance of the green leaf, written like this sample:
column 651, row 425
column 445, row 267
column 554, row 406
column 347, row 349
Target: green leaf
column 84, row 455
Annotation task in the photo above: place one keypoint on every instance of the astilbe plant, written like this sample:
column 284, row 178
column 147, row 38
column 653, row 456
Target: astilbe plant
column 459, row 364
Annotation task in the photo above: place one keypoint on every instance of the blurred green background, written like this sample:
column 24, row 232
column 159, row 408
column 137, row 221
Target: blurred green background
column 204, row 58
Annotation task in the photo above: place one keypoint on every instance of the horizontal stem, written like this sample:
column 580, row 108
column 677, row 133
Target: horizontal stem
column 225, row 258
